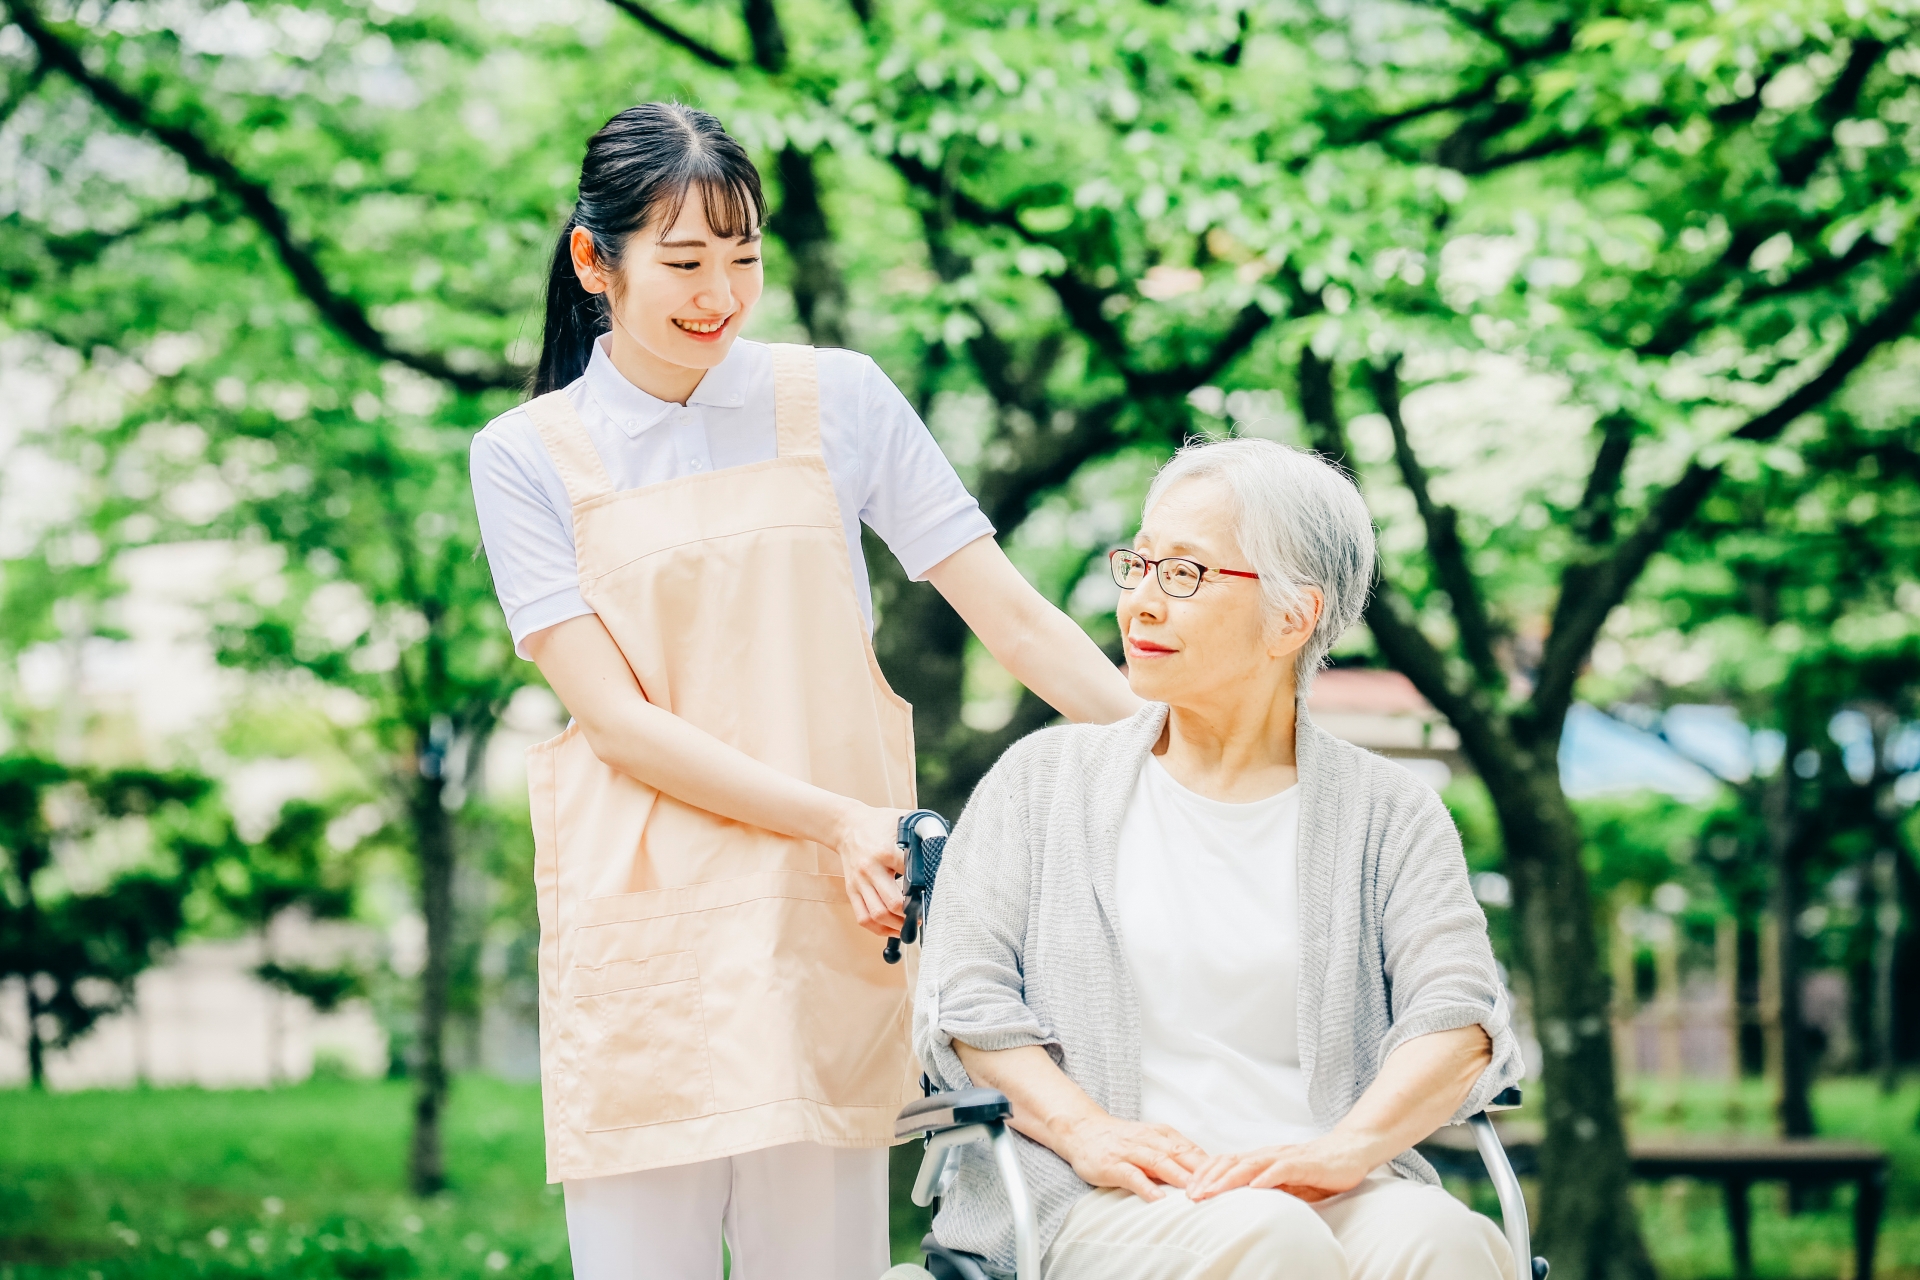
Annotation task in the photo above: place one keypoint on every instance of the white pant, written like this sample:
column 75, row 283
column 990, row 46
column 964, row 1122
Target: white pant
column 1387, row 1228
column 798, row 1212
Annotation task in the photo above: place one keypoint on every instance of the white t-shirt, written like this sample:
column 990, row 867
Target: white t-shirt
column 886, row 470
column 1209, row 903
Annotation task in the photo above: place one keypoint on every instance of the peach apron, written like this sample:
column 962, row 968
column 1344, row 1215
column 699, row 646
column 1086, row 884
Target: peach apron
column 704, row 990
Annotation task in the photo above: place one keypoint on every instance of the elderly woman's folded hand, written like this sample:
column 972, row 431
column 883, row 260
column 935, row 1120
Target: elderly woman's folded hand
column 1136, row 1157
column 1309, row 1170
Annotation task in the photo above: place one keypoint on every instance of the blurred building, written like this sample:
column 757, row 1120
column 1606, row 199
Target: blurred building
column 1382, row 711
column 203, row 1019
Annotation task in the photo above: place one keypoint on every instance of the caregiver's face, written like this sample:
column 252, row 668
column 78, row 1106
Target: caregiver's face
column 1184, row 651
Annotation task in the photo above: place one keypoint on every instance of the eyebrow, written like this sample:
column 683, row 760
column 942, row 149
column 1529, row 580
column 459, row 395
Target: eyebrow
column 701, row 244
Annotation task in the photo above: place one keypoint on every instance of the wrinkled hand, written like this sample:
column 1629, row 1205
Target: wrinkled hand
column 871, row 862
column 1310, row 1170
column 1135, row 1157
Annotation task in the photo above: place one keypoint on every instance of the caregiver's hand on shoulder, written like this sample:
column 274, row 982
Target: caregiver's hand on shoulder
column 1107, row 1152
column 1310, row 1170
column 868, row 844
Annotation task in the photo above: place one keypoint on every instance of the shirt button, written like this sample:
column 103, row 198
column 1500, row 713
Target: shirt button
column 699, row 465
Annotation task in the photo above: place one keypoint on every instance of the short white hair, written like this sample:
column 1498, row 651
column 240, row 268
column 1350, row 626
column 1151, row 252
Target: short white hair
column 1299, row 521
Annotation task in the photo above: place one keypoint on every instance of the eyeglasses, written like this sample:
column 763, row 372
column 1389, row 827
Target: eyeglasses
column 1179, row 577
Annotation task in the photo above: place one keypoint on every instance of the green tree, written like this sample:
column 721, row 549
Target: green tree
column 76, row 938
column 1798, row 583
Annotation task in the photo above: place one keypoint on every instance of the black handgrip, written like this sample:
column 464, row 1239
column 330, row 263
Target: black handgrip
column 920, row 862
column 930, row 851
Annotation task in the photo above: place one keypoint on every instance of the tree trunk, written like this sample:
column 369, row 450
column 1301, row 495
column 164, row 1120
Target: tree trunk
column 1785, row 835
column 1588, row 1228
column 819, row 290
column 922, row 648
column 433, row 836
column 36, row 1050
column 921, row 645
column 1886, row 940
column 30, row 857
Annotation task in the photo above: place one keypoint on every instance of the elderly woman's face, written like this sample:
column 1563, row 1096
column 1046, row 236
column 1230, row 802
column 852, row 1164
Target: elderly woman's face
column 1218, row 641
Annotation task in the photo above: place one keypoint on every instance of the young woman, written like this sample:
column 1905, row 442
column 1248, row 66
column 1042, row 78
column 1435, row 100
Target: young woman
column 673, row 525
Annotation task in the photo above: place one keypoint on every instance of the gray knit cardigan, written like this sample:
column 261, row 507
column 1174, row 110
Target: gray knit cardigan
column 1022, row 948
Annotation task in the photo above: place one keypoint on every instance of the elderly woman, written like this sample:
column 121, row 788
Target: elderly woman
column 1226, row 967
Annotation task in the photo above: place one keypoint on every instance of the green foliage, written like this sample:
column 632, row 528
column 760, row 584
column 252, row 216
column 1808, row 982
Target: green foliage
column 80, row 935
column 324, row 989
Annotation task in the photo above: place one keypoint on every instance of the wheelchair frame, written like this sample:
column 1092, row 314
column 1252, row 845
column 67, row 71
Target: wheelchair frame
column 950, row 1120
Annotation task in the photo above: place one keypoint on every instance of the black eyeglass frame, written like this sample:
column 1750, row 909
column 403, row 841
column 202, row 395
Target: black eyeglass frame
column 1200, row 575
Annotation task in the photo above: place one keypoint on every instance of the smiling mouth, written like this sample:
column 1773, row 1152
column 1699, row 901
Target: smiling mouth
column 702, row 326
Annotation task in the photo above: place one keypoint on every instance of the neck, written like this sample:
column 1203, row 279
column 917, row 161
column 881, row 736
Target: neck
column 1234, row 748
column 661, row 379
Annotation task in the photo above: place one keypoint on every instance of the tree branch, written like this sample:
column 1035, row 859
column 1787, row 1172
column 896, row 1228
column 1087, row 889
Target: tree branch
column 1389, row 615
column 16, row 100
column 1593, row 518
column 1083, row 303
column 819, row 291
column 81, row 248
column 1681, row 324
column 674, row 35
column 1444, row 548
column 1368, row 130
column 1591, row 589
column 763, row 28
column 1485, row 25
column 343, row 311
column 1838, row 102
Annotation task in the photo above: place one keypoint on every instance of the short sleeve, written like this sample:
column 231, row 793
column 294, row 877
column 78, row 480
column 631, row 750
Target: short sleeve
column 528, row 540
column 911, row 495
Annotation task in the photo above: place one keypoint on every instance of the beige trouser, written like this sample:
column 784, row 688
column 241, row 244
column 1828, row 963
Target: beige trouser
column 1387, row 1228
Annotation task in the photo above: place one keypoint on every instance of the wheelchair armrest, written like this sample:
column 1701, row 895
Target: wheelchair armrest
column 951, row 1110
column 1508, row 1099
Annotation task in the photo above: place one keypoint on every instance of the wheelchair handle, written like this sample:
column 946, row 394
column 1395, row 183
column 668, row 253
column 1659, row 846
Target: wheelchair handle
column 922, row 839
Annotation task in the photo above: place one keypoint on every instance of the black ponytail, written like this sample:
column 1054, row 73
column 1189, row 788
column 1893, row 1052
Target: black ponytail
column 639, row 167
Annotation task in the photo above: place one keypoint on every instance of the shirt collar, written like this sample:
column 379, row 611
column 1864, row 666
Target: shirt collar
column 635, row 411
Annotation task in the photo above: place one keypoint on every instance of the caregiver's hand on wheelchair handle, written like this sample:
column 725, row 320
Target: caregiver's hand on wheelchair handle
column 871, row 861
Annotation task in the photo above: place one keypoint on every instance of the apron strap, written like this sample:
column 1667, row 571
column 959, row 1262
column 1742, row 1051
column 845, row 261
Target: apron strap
column 796, row 398
column 573, row 454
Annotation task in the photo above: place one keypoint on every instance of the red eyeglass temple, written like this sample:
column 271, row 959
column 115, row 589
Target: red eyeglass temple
column 1231, row 573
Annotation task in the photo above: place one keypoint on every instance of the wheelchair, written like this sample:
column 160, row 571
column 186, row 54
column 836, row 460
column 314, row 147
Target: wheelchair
column 949, row 1120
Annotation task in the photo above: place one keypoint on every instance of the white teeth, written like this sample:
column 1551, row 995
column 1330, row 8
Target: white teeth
column 701, row 326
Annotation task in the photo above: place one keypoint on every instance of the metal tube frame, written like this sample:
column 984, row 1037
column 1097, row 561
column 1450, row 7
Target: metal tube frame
column 1513, row 1202
column 1026, row 1233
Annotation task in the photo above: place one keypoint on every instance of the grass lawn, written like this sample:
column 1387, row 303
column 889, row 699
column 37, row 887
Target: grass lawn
column 303, row 1181
column 306, row 1181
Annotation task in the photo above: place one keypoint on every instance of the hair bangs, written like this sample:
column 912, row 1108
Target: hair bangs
column 734, row 206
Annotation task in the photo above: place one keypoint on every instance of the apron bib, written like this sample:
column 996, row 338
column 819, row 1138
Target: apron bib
column 704, row 990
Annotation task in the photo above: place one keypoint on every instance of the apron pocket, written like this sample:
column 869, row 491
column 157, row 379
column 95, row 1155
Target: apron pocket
column 645, row 1059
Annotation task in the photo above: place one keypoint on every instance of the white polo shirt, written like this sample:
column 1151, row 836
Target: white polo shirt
column 886, row 469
